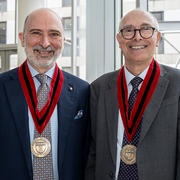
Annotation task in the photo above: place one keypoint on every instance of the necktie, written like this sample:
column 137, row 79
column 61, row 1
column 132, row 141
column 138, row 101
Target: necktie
column 43, row 166
column 129, row 172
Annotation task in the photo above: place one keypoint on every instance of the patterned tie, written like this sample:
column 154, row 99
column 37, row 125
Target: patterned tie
column 43, row 166
column 129, row 172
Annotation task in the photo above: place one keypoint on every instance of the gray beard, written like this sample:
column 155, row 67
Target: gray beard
column 47, row 63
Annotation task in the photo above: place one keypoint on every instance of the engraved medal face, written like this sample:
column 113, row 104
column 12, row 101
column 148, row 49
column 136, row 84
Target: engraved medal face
column 128, row 154
column 40, row 147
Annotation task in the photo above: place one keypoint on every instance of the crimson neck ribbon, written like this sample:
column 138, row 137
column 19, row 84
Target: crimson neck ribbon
column 40, row 118
column 143, row 98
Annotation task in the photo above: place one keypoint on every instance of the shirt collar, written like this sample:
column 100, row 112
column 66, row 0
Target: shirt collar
column 129, row 76
column 49, row 73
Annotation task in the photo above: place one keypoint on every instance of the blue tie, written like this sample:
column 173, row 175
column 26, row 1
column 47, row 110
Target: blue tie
column 129, row 172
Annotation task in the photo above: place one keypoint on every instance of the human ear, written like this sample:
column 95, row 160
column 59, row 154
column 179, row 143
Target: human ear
column 21, row 37
column 158, row 39
column 118, row 39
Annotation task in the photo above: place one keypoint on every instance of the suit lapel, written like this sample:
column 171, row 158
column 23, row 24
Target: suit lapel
column 65, row 112
column 150, row 113
column 112, row 110
column 154, row 105
column 19, row 110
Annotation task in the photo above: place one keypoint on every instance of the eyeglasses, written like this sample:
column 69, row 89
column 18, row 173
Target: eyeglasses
column 130, row 32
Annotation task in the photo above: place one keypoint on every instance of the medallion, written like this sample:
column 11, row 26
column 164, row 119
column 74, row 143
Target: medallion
column 128, row 154
column 40, row 147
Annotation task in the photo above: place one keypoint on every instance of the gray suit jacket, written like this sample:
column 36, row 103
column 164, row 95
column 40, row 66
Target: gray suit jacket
column 158, row 151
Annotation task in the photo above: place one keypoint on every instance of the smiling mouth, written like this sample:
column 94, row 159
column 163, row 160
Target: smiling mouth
column 43, row 53
column 138, row 47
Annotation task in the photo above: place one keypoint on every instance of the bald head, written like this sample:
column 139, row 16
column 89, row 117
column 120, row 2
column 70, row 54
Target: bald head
column 138, row 37
column 136, row 13
column 43, row 38
column 41, row 13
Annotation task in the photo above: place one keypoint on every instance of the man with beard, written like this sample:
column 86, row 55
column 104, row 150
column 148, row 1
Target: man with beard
column 43, row 110
column 135, row 111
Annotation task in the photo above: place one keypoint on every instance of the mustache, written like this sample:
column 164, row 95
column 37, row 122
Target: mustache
column 42, row 49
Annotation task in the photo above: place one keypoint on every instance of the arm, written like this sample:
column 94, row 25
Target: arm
column 178, row 146
column 90, row 168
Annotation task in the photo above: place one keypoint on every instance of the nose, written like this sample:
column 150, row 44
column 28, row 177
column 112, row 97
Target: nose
column 45, row 42
column 137, row 35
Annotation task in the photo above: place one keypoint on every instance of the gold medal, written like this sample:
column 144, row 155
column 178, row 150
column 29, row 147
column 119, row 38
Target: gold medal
column 40, row 147
column 128, row 154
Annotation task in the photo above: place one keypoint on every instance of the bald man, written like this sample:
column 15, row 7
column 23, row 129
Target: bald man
column 135, row 111
column 43, row 110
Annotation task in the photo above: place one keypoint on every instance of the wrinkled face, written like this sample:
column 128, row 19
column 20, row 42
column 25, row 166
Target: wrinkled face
column 138, row 50
column 42, row 39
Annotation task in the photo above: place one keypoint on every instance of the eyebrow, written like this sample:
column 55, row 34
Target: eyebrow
column 129, row 25
column 31, row 30
column 57, row 31
column 146, row 24
column 51, row 30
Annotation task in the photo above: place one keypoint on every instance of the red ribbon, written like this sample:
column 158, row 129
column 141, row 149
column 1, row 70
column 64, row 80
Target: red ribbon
column 40, row 118
column 146, row 91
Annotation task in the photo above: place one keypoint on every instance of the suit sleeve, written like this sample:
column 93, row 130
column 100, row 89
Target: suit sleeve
column 90, row 168
column 178, row 145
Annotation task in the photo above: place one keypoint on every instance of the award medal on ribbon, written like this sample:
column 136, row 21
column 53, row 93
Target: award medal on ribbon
column 40, row 146
column 128, row 152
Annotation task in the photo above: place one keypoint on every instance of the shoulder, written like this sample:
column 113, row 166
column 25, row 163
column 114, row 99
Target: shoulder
column 75, row 81
column 106, row 79
column 9, row 75
column 170, row 72
column 171, row 76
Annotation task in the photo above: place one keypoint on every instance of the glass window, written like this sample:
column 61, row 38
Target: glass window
column 2, row 32
column 67, row 23
column 67, row 3
column 3, row 5
column 128, row 5
column 171, row 10
column 67, row 48
column 64, row 9
column 160, row 17
column 53, row 3
column 168, row 51
column 7, row 6
column 171, row 50
column 13, row 61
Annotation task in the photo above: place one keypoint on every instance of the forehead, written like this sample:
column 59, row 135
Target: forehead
column 44, row 21
column 137, row 19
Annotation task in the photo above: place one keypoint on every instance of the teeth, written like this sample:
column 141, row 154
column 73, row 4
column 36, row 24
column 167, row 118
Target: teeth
column 43, row 52
column 138, row 47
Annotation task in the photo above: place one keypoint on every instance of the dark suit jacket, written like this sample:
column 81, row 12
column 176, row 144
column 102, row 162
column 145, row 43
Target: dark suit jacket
column 158, row 151
column 15, row 154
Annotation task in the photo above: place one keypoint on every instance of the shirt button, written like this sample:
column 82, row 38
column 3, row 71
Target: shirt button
column 111, row 175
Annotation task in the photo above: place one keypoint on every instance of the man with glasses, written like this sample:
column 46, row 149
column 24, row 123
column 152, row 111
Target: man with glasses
column 135, row 110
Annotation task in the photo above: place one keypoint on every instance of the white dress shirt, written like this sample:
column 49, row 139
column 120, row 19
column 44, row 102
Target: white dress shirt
column 53, row 120
column 120, row 131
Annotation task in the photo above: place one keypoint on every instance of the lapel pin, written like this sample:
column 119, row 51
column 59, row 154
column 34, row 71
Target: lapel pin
column 70, row 88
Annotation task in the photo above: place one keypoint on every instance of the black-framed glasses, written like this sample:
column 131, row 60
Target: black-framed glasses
column 130, row 32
